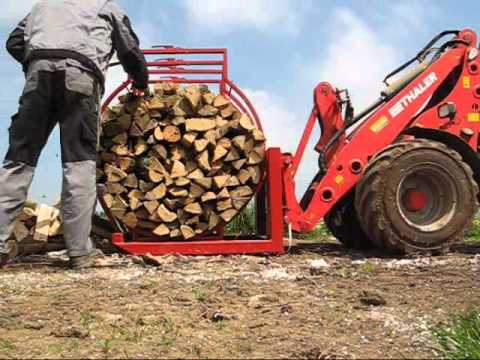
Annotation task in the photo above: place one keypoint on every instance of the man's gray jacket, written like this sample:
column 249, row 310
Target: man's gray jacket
column 83, row 32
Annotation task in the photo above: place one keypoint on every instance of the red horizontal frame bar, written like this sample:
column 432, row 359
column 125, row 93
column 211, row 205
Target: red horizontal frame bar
column 178, row 51
column 185, row 62
column 211, row 247
column 223, row 82
column 187, row 81
column 185, row 71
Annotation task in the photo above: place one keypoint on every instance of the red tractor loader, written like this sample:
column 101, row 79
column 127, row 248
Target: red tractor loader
column 405, row 179
column 401, row 175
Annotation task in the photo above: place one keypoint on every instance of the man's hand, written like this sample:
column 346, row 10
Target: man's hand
column 139, row 92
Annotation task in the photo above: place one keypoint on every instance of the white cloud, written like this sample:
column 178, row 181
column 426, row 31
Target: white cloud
column 409, row 14
column 148, row 34
column 15, row 10
column 115, row 77
column 369, row 48
column 265, row 15
column 359, row 53
column 358, row 60
column 283, row 128
column 278, row 121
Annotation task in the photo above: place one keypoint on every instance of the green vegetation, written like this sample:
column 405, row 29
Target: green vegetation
column 244, row 223
column 220, row 325
column 87, row 319
column 171, row 332
column 460, row 338
column 473, row 235
column 101, row 214
column 320, row 233
column 369, row 268
column 6, row 345
column 200, row 295
column 106, row 345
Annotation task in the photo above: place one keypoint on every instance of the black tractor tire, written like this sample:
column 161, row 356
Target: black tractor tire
column 343, row 223
column 433, row 173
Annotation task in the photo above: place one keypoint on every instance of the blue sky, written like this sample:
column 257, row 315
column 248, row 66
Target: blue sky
column 279, row 50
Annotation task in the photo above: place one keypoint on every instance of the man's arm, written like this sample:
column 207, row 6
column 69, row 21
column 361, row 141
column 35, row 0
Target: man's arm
column 126, row 44
column 16, row 42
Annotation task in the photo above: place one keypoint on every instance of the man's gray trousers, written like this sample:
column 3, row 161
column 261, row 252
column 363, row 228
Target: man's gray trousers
column 43, row 106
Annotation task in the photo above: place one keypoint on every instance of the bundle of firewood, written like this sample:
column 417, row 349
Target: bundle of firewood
column 38, row 229
column 180, row 163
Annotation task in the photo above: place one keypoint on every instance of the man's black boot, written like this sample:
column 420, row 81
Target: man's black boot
column 86, row 261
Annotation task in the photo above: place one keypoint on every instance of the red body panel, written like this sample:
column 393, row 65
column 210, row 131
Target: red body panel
column 466, row 97
column 327, row 107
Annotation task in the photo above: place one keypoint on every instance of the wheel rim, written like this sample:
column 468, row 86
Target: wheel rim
column 427, row 197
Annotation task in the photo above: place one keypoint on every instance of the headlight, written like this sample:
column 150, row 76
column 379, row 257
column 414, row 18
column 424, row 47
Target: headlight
column 472, row 55
column 447, row 110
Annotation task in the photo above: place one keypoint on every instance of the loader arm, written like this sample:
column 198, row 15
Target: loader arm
column 415, row 103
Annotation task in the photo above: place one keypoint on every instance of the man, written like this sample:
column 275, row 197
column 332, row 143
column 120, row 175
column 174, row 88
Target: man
column 64, row 47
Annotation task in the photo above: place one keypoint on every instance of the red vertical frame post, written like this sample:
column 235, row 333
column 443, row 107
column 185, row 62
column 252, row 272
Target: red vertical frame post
column 275, row 199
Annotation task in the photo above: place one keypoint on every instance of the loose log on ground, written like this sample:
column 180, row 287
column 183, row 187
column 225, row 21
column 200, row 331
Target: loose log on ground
column 179, row 164
column 37, row 228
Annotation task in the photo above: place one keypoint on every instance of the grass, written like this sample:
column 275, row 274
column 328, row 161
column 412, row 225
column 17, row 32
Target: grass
column 6, row 345
column 244, row 223
column 131, row 335
column 107, row 345
column 460, row 338
column 473, row 235
column 200, row 295
column 320, row 233
column 87, row 319
column 369, row 268
column 102, row 215
column 220, row 325
column 171, row 332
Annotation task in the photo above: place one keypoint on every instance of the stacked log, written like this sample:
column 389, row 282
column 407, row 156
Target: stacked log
column 180, row 163
column 38, row 229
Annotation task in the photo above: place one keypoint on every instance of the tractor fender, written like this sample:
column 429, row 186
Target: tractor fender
column 469, row 155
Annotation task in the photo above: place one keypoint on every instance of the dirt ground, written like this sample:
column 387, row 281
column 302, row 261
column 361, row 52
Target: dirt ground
column 318, row 301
